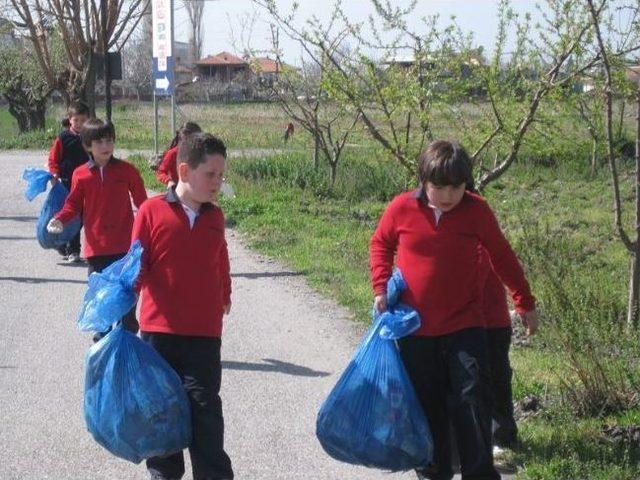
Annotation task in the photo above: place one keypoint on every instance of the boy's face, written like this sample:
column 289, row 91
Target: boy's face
column 205, row 181
column 446, row 197
column 77, row 121
column 101, row 150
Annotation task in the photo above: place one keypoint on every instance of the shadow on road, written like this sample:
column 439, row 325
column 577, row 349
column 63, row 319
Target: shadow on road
column 272, row 365
column 10, row 237
column 41, row 280
column 20, row 219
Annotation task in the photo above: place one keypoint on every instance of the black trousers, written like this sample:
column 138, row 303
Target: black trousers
column 73, row 245
column 97, row 264
column 505, row 429
column 450, row 376
column 197, row 362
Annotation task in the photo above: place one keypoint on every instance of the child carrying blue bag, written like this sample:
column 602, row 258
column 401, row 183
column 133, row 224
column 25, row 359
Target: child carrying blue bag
column 37, row 180
column 134, row 403
column 372, row 416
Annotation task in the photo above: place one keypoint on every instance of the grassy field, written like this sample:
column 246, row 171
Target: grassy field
column 557, row 216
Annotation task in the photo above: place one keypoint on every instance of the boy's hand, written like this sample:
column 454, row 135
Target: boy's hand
column 54, row 180
column 171, row 184
column 227, row 308
column 530, row 320
column 380, row 302
column 55, row 226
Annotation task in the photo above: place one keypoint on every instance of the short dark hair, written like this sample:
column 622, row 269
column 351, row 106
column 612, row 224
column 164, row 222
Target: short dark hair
column 96, row 129
column 444, row 163
column 195, row 147
column 77, row 108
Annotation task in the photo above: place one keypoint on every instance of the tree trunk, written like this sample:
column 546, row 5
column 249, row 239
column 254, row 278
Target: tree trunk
column 316, row 151
column 333, row 171
column 594, row 157
column 634, row 295
column 633, row 310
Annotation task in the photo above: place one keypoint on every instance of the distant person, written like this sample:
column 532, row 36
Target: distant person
column 288, row 132
column 168, row 171
column 67, row 154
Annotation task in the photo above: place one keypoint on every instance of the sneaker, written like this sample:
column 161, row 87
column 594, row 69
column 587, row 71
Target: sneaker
column 503, row 459
column 73, row 258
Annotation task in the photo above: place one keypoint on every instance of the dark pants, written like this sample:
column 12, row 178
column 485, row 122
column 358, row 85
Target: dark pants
column 450, row 376
column 197, row 362
column 73, row 245
column 505, row 430
column 97, row 264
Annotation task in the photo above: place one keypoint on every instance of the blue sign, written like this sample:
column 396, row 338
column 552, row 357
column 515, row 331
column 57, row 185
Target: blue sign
column 163, row 81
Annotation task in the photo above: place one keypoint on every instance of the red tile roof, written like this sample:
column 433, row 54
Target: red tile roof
column 222, row 58
column 265, row 65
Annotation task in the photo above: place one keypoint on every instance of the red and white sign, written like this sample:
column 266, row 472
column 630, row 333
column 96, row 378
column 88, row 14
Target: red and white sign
column 161, row 14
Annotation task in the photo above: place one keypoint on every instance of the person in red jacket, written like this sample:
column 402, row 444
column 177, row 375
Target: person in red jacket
column 67, row 154
column 168, row 170
column 101, row 191
column 185, row 291
column 434, row 234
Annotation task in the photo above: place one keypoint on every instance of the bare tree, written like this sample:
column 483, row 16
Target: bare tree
column 608, row 53
column 195, row 9
column 138, row 58
column 399, row 101
column 77, row 23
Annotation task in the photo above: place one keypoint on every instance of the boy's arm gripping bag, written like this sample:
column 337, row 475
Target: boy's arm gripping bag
column 372, row 416
column 110, row 293
column 134, row 403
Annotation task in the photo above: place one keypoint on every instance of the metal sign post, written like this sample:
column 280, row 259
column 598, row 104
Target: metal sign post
column 163, row 78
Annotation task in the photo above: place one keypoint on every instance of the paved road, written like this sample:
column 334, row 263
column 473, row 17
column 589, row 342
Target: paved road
column 283, row 348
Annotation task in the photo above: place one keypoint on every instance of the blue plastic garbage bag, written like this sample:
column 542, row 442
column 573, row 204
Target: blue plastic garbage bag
column 37, row 183
column 110, row 293
column 36, row 179
column 372, row 416
column 134, row 403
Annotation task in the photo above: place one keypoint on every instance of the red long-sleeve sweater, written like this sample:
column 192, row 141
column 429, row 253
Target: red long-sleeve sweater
column 168, row 169
column 184, row 280
column 441, row 263
column 105, row 205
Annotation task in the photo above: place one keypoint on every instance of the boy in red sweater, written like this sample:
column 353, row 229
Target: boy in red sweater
column 186, row 290
column 168, row 170
column 101, row 191
column 434, row 233
column 67, row 154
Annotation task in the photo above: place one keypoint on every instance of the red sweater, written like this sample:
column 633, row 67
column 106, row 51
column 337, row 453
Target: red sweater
column 168, row 169
column 441, row 263
column 105, row 205
column 185, row 276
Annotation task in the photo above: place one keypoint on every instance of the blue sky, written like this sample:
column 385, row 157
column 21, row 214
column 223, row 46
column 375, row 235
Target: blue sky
column 477, row 16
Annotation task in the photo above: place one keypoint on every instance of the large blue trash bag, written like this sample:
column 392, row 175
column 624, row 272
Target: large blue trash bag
column 110, row 293
column 37, row 183
column 372, row 416
column 134, row 403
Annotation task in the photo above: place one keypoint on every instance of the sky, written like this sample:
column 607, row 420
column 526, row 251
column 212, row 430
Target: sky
column 222, row 17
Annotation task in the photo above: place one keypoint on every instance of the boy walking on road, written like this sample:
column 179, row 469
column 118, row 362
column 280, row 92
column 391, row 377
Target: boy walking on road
column 186, row 290
column 101, row 191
